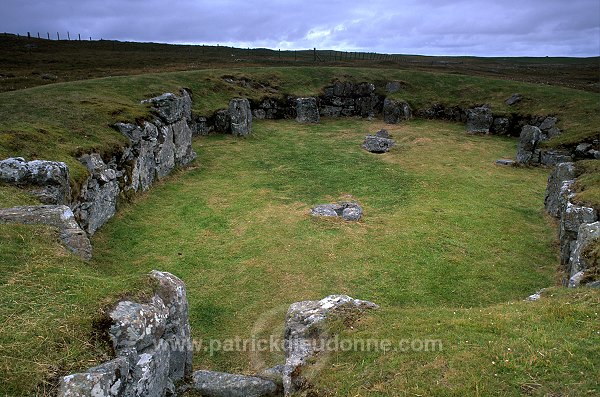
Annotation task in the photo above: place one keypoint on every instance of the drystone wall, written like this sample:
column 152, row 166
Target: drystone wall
column 154, row 349
column 153, row 345
column 578, row 226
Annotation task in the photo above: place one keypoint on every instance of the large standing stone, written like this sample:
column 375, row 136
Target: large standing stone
column 307, row 110
column 240, row 116
column 395, row 111
column 220, row 384
column 528, row 142
column 59, row 216
column 47, row 180
column 479, row 120
column 561, row 173
column 305, row 334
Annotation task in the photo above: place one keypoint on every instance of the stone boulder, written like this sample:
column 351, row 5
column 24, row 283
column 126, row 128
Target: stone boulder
column 220, row 384
column 307, row 110
column 306, row 335
column 171, row 108
column 514, row 99
column 552, row 201
column 553, row 157
column 59, row 216
column 383, row 133
column 395, row 111
column 349, row 211
column 529, row 140
column 377, row 144
column 47, row 180
column 479, row 120
column 152, row 343
column 240, row 117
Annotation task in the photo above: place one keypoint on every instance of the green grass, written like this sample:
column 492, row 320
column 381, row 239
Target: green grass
column 62, row 121
column 445, row 231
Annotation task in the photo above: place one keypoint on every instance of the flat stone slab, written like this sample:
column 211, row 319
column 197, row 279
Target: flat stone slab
column 59, row 216
column 221, row 384
column 349, row 211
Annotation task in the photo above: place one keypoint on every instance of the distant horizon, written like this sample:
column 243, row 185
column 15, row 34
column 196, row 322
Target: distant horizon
column 75, row 38
column 480, row 28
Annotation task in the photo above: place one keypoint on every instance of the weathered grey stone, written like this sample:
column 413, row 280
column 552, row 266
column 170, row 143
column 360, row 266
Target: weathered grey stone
column 572, row 217
column 136, row 325
column 505, row 162
column 514, row 99
column 47, row 180
column 582, row 150
column 240, row 116
column 395, row 111
column 59, row 216
column 349, row 211
column 171, row 108
column 479, row 120
column 562, row 172
column 150, row 374
column 182, row 141
column 305, row 335
column 375, row 144
column 307, row 110
column 220, row 384
column 153, row 344
column 164, row 154
column 528, row 142
column 588, row 233
column 171, row 290
column 553, row 157
column 500, row 126
column 97, row 201
column 548, row 124
column 575, row 280
column 105, row 380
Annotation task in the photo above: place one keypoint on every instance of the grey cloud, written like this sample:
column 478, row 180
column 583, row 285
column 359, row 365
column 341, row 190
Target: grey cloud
column 436, row 27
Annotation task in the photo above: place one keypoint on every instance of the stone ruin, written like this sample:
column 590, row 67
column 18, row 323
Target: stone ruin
column 378, row 143
column 153, row 347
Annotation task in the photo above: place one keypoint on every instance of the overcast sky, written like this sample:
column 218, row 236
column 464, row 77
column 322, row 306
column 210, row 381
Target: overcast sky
column 427, row 27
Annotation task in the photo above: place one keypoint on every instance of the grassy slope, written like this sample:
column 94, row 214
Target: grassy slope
column 62, row 121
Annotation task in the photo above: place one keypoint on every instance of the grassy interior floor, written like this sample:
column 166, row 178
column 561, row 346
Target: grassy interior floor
column 449, row 241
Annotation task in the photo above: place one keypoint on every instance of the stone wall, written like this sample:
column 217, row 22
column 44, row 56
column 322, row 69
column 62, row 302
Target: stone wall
column 156, row 148
column 153, row 345
column 578, row 224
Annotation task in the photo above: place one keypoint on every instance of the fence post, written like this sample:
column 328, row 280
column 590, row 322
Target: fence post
column 57, row 36
column 79, row 36
column 68, row 35
column 48, row 33
column 315, row 54
column 38, row 35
